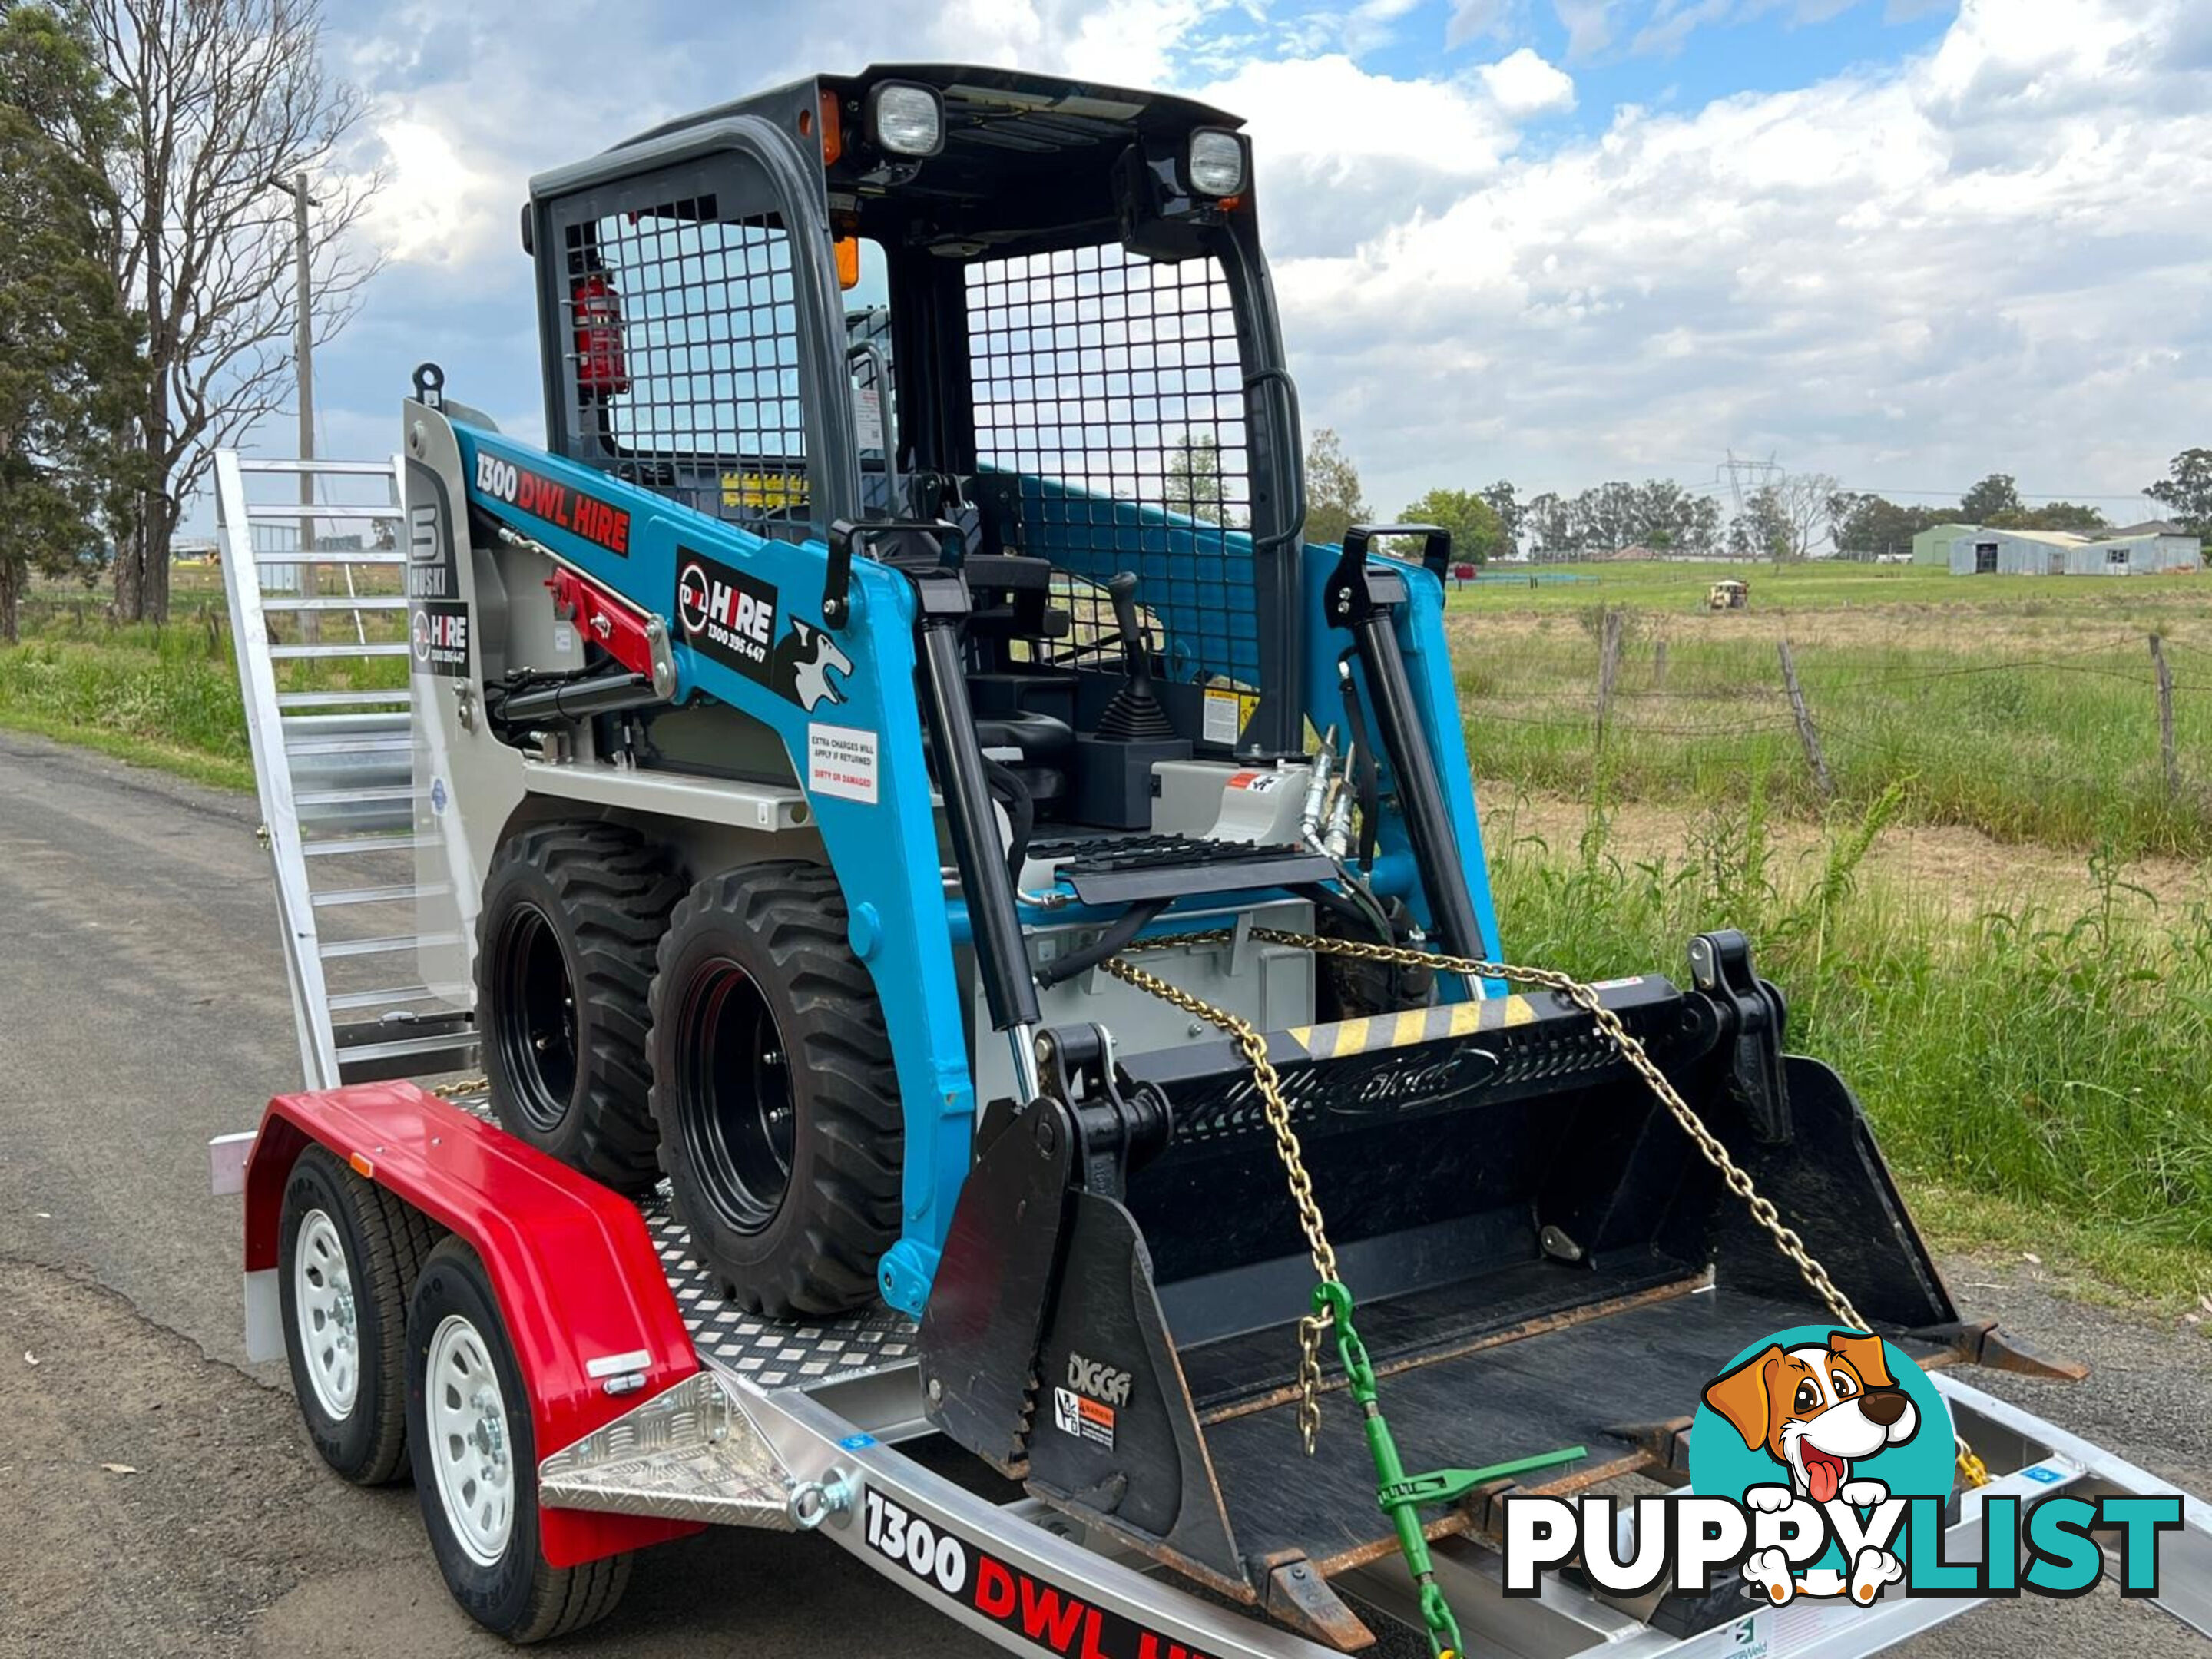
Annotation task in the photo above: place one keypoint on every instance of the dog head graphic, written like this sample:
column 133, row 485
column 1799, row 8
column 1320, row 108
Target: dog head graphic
column 1815, row 1409
column 803, row 663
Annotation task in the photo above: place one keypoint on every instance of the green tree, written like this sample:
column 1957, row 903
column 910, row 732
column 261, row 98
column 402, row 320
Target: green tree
column 1195, row 487
column 2186, row 491
column 2082, row 520
column 1995, row 494
column 70, row 372
column 1477, row 535
column 1334, row 502
column 1505, row 502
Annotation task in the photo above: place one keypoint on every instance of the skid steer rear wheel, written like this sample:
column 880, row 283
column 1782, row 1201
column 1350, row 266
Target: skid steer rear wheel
column 774, row 1088
column 572, row 914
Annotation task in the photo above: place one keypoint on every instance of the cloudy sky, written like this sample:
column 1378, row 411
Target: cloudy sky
column 1551, row 240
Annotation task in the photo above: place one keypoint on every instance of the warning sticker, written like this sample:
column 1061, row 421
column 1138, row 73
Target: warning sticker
column 842, row 762
column 1224, row 718
column 1086, row 1419
column 1258, row 783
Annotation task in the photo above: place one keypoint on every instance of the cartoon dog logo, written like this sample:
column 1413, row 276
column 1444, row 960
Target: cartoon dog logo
column 804, row 659
column 1816, row 1410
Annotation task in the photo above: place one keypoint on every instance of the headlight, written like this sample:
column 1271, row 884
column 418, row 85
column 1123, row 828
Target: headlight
column 1216, row 163
column 906, row 119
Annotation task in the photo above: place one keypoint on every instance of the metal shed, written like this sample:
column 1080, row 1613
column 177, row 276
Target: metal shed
column 2143, row 550
column 2014, row 552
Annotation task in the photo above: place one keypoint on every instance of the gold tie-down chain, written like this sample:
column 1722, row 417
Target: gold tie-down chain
column 1252, row 1042
column 1254, row 1047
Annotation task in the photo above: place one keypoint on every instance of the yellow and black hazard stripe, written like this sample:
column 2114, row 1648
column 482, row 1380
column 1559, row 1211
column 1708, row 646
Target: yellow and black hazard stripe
column 1347, row 1037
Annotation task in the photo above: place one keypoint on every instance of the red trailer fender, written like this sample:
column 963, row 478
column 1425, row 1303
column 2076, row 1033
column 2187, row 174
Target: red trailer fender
column 579, row 1283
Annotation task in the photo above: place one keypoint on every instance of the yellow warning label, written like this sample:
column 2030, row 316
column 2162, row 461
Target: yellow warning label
column 764, row 492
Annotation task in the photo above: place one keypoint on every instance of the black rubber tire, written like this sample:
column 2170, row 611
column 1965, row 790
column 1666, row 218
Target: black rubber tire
column 520, row 1595
column 385, row 1242
column 781, row 929
column 584, row 904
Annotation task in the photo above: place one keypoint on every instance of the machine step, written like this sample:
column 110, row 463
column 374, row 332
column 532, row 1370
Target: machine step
column 300, row 556
column 338, row 602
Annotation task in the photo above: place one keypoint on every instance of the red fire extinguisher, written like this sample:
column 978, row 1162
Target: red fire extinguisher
column 601, row 371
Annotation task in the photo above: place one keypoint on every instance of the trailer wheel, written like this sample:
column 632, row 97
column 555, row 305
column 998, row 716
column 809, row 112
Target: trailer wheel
column 476, row 1463
column 773, row 1085
column 348, row 1253
column 572, row 913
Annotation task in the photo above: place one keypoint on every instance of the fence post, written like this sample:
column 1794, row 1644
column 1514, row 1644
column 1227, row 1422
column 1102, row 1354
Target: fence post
column 1659, row 663
column 1609, row 665
column 1806, row 733
column 2166, row 754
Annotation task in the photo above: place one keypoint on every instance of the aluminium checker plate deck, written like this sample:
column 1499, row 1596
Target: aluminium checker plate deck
column 769, row 1353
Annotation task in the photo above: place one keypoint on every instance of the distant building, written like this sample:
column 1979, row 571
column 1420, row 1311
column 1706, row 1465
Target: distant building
column 1988, row 551
column 2143, row 549
column 1933, row 545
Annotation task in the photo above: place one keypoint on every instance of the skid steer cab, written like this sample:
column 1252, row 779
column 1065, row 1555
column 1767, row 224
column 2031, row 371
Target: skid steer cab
column 891, row 765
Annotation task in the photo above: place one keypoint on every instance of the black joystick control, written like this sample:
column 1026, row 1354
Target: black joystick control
column 1135, row 714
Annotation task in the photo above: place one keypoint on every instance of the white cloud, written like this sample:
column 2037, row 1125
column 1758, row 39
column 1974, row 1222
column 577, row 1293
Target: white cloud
column 1477, row 19
column 2004, row 239
column 1991, row 257
column 1523, row 84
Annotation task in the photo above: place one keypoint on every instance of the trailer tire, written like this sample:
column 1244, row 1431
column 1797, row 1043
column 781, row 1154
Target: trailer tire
column 780, row 1125
column 468, row 1412
column 572, row 914
column 348, row 1253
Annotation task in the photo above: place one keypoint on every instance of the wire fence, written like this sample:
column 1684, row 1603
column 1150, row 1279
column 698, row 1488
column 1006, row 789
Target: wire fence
column 2092, row 743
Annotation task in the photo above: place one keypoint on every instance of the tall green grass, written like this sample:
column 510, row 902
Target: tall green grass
column 2052, row 1060
column 2055, row 743
column 168, row 695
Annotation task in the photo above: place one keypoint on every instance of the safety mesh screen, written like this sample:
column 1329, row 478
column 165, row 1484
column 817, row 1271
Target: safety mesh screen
column 683, row 348
column 1112, row 386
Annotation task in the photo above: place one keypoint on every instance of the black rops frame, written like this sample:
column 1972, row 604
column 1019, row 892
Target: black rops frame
column 935, row 400
column 742, row 157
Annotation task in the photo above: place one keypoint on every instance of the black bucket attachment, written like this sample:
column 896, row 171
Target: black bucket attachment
column 1542, row 1259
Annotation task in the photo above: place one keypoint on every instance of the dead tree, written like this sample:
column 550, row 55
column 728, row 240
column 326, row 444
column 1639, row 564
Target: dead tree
column 220, row 99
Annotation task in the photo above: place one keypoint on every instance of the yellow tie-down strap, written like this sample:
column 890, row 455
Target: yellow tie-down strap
column 1347, row 1037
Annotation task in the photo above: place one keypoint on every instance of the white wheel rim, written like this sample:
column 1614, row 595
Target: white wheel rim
column 469, row 1453
column 326, row 1314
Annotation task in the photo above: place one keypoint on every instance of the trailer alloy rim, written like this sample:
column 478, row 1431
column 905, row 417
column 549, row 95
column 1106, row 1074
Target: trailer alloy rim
column 735, row 1096
column 537, row 1029
column 326, row 1314
column 470, row 1452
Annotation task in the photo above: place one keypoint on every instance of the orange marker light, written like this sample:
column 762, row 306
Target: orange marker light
column 362, row 1167
column 848, row 261
column 833, row 133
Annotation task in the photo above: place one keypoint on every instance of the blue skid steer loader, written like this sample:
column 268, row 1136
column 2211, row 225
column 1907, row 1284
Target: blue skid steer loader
column 902, row 777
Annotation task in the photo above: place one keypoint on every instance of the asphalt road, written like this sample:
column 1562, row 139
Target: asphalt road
column 142, row 1010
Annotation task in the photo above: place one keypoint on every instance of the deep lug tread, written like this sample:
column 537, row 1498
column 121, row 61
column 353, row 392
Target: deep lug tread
column 789, row 918
column 612, row 892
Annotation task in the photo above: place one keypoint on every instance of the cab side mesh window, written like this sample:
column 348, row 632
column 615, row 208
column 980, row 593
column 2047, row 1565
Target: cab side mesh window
column 1112, row 387
column 682, row 341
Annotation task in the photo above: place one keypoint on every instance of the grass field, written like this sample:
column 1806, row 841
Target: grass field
column 2023, row 707
column 2034, row 1051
